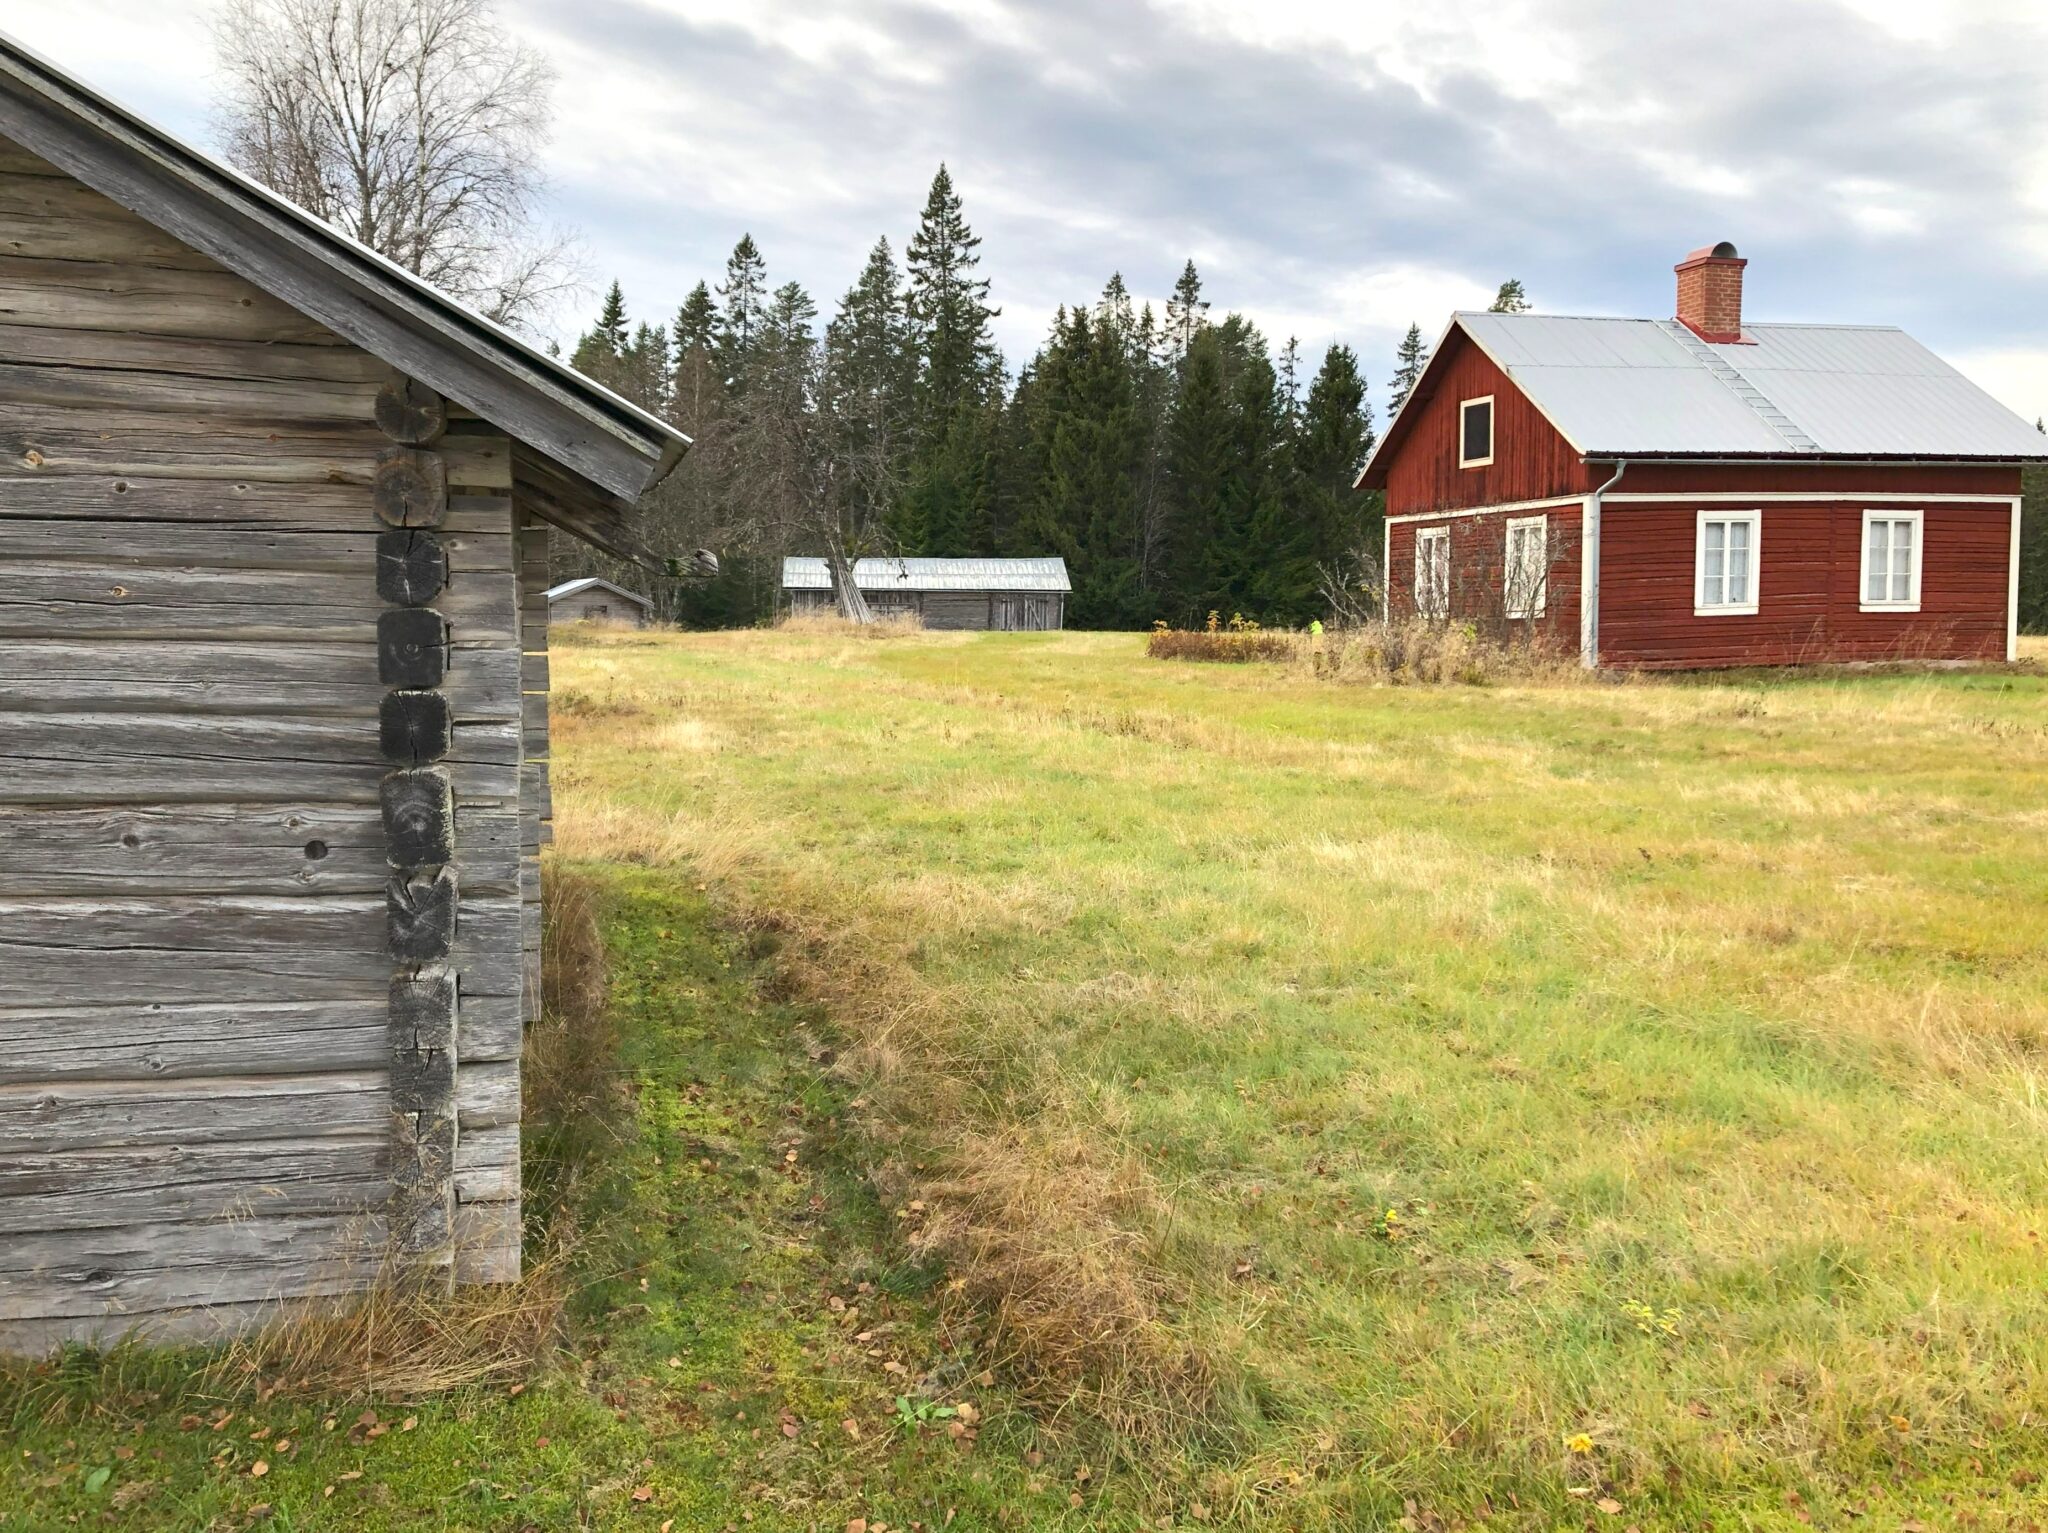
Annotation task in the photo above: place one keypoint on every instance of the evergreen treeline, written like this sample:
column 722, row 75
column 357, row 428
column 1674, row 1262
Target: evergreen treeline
column 1178, row 462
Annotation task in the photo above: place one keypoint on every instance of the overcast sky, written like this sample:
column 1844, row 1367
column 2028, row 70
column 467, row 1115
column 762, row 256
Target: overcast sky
column 1335, row 170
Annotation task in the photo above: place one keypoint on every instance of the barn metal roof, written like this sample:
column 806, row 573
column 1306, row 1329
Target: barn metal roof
column 1651, row 388
column 571, row 587
column 321, row 272
column 800, row 574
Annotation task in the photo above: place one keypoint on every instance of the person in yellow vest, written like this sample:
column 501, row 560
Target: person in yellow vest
column 1315, row 642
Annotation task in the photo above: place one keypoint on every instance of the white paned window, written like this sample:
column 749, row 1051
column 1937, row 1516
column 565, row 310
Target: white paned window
column 1526, row 574
column 1433, row 572
column 1891, row 561
column 1726, row 562
column 1475, row 432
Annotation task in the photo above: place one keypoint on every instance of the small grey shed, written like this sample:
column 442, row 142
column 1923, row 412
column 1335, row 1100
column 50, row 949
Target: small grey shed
column 1015, row 595
column 594, row 600
column 274, row 522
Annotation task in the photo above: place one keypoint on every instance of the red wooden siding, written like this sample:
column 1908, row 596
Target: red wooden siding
column 1807, row 589
column 1478, row 571
column 1530, row 460
column 1780, row 477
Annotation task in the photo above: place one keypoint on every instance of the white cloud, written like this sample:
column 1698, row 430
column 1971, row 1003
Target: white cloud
column 1335, row 169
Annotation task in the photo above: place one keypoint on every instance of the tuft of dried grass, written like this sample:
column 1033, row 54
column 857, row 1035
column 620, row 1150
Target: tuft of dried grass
column 1416, row 651
column 409, row 1334
column 1228, row 645
column 405, row 1338
column 827, row 624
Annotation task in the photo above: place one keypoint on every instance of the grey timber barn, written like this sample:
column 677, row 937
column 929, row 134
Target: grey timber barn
column 274, row 523
column 591, row 599
column 1014, row 595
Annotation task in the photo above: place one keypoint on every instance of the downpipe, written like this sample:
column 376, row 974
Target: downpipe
column 1589, row 586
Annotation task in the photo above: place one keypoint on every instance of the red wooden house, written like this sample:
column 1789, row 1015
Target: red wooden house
column 1700, row 491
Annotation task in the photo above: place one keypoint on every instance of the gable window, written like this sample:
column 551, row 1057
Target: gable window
column 1475, row 432
column 1725, row 562
column 1526, row 573
column 1433, row 572
column 1891, row 561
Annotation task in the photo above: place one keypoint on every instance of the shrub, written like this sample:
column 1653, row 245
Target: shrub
column 1237, row 641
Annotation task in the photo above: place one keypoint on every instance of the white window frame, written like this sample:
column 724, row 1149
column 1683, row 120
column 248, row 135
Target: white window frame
column 1911, row 603
column 1433, row 604
column 1541, row 573
column 1700, row 605
column 1463, row 406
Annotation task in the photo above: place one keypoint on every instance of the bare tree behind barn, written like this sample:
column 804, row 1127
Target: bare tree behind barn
column 413, row 126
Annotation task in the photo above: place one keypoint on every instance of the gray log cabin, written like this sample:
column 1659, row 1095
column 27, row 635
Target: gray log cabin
column 592, row 599
column 1013, row 595
column 274, row 523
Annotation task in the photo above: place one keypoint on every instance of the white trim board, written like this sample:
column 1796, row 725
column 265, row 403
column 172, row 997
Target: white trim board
column 1717, row 497
column 1753, row 497
column 2012, row 588
column 1463, row 406
column 1910, row 602
column 1754, row 572
column 1504, row 506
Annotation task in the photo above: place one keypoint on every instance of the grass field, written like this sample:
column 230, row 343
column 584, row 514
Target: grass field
column 1615, row 1104
column 1266, row 1103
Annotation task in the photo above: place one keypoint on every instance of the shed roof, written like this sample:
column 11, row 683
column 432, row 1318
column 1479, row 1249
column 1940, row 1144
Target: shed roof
column 1651, row 388
column 618, row 449
column 933, row 575
column 590, row 582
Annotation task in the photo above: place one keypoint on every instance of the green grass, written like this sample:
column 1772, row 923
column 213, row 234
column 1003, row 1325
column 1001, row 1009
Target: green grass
column 1364, row 1094
column 705, row 1315
column 1315, row 1106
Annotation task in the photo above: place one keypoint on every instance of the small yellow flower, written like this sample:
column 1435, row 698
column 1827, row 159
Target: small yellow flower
column 1578, row 1442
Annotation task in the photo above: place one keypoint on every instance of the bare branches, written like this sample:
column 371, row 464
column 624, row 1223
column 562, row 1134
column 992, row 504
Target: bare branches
column 414, row 126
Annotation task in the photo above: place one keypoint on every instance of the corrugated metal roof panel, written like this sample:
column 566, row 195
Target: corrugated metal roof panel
column 1626, row 386
column 801, row 574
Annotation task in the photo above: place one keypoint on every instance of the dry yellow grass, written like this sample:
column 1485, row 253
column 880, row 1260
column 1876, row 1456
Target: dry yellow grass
column 1320, row 1082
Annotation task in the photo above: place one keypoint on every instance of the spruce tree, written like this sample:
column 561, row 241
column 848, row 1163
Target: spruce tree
column 1199, row 456
column 1187, row 311
column 1510, row 299
column 1335, row 438
column 949, row 309
column 696, row 386
column 1409, row 361
column 948, row 501
column 743, row 299
column 870, row 375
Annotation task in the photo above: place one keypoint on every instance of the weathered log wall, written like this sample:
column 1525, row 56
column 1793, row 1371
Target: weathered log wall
column 201, row 1001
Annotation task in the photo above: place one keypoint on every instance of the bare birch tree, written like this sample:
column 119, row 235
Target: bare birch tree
column 412, row 125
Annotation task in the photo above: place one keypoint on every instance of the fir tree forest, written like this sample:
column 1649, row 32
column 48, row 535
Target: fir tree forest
column 1180, row 461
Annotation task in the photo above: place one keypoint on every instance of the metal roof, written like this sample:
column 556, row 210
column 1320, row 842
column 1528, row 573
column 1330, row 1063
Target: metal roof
column 571, row 587
column 933, row 575
column 314, row 267
column 1651, row 388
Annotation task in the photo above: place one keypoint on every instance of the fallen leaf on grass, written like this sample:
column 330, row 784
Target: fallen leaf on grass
column 1609, row 1505
column 408, row 1424
column 851, row 1428
column 259, row 1469
column 96, row 1481
column 643, row 1493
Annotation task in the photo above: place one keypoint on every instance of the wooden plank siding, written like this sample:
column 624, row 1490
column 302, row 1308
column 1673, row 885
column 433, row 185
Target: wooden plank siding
column 1000, row 611
column 1530, row 460
column 1808, row 576
column 193, row 971
column 1478, row 593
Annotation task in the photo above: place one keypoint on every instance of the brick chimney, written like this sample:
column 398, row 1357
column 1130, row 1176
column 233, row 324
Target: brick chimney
column 1710, row 292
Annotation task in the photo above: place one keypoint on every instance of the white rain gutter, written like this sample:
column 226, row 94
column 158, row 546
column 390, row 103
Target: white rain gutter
column 1589, row 571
